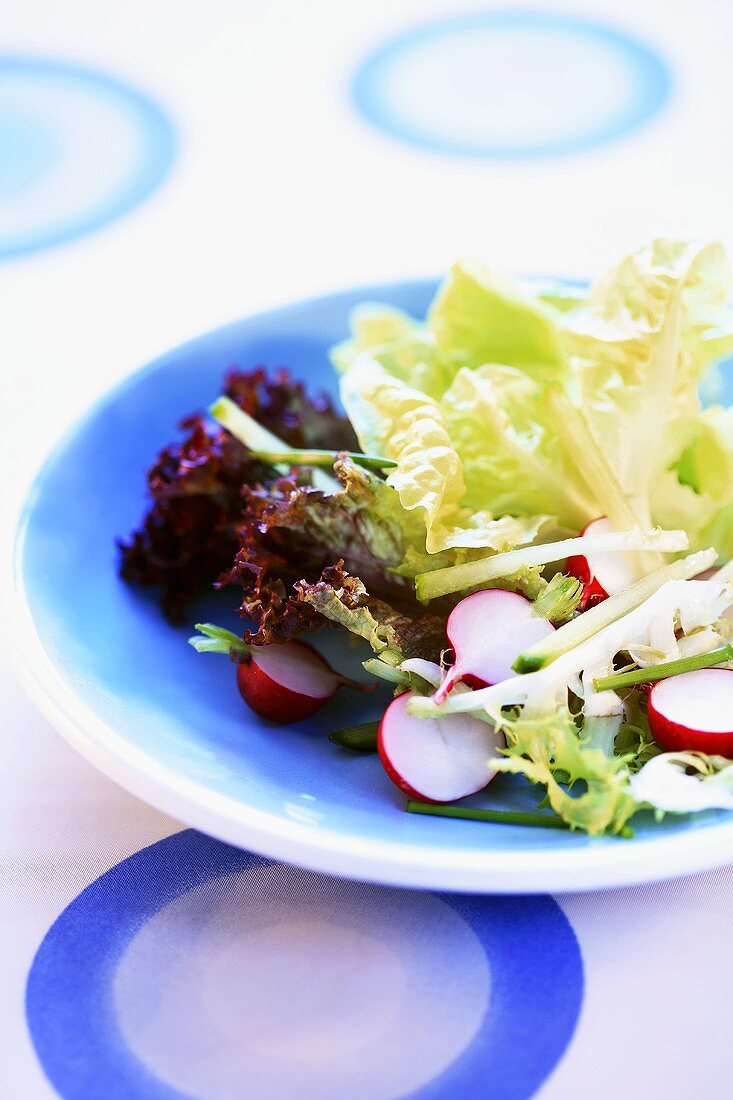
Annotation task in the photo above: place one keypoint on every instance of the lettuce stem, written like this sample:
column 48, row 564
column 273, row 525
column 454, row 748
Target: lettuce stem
column 244, row 427
column 386, row 672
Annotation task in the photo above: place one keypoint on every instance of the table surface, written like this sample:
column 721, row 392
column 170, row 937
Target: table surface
column 276, row 187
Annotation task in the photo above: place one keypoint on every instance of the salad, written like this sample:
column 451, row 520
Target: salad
column 526, row 514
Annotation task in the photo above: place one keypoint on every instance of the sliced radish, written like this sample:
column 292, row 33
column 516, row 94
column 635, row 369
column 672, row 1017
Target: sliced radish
column 603, row 575
column 694, row 711
column 436, row 759
column 287, row 683
column 487, row 631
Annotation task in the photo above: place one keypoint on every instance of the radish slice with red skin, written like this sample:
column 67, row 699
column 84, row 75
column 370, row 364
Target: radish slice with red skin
column 289, row 682
column 436, row 759
column 602, row 575
column 694, row 712
column 487, row 631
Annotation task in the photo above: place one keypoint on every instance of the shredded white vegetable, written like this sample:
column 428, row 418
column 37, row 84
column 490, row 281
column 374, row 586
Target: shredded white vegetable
column 668, row 783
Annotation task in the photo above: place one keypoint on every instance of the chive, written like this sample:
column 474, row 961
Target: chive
column 499, row 817
column 361, row 738
column 664, row 670
column 323, row 458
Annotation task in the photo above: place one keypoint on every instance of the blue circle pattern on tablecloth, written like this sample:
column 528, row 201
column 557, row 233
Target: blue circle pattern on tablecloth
column 78, row 148
column 511, row 85
column 535, row 966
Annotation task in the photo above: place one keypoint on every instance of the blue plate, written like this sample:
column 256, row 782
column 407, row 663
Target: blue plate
column 126, row 690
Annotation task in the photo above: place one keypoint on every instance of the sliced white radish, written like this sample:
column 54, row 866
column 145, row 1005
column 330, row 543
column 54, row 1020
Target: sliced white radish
column 436, row 759
column 487, row 631
column 694, row 711
column 287, row 683
column 603, row 575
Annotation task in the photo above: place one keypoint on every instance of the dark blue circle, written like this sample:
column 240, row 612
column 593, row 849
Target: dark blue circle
column 536, row 980
column 653, row 76
column 158, row 144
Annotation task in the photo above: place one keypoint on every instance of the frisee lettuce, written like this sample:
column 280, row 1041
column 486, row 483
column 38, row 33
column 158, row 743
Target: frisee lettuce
column 594, row 794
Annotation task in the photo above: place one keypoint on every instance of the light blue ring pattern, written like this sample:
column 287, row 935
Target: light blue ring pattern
column 651, row 72
column 536, row 972
column 158, row 147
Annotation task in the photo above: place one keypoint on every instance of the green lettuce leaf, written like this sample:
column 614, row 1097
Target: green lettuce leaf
column 562, row 296
column 345, row 602
column 517, row 412
column 479, row 318
column 401, row 346
column 636, row 352
column 634, row 740
column 373, row 326
column 408, row 426
column 501, row 424
column 695, row 487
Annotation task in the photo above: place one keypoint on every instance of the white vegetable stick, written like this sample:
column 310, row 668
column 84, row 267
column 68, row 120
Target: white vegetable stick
column 440, row 582
column 246, row 429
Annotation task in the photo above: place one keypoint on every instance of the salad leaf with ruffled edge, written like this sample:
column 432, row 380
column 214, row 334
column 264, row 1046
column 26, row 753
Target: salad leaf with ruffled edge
column 586, row 787
column 479, row 317
column 290, row 581
column 547, row 411
column 344, row 601
column 636, row 352
column 410, row 427
column 189, row 533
